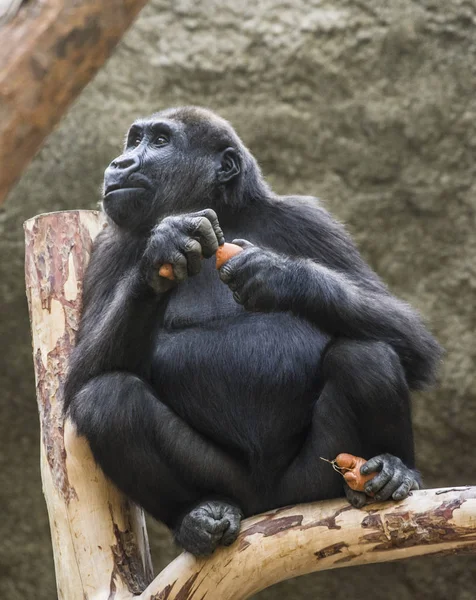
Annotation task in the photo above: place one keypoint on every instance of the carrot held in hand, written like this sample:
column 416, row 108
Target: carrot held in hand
column 167, row 271
column 348, row 466
column 224, row 253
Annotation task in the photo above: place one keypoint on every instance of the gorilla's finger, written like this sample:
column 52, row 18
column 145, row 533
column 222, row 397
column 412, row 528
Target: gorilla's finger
column 357, row 499
column 179, row 266
column 231, row 533
column 379, row 481
column 193, row 252
column 218, row 527
column 211, row 215
column 227, row 273
column 201, row 228
column 386, row 492
column 403, row 490
column 372, row 465
column 233, row 285
column 242, row 243
column 237, row 298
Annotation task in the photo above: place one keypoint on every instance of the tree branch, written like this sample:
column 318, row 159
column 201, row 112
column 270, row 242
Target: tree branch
column 49, row 52
column 99, row 537
column 306, row 538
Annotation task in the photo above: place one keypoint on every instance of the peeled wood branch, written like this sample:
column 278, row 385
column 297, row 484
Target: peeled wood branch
column 49, row 52
column 325, row 535
column 99, row 537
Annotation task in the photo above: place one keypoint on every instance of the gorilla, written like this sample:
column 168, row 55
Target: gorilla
column 212, row 397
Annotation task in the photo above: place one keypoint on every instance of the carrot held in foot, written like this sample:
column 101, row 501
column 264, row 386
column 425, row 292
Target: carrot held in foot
column 348, row 466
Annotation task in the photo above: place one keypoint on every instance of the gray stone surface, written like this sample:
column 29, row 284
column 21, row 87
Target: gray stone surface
column 370, row 105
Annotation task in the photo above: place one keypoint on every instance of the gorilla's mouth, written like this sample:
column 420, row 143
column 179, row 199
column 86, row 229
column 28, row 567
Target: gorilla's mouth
column 117, row 187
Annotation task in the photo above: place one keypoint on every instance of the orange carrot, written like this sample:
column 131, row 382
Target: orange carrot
column 348, row 466
column 225, row 252
column 167, row 271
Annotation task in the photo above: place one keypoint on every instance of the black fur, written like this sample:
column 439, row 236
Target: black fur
column 204, row 402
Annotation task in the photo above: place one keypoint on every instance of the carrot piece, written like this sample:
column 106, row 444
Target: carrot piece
column 225, row 252
column 167, row 271
column 348, row 466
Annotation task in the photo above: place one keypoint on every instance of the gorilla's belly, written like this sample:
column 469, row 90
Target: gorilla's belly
column 234, row 379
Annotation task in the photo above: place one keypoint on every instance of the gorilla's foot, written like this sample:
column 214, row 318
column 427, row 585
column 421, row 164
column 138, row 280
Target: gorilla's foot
column 393, row 480
column 357, row 499
column 208, row 525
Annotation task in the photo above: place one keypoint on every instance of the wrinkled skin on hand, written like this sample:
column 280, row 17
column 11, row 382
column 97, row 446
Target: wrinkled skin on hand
column 181, row 241
column 259, row 278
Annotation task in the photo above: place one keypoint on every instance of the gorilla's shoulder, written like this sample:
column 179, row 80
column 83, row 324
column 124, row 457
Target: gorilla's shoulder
column 309, row 208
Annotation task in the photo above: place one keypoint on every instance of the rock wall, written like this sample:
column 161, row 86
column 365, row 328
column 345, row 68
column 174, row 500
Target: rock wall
column 370, row 105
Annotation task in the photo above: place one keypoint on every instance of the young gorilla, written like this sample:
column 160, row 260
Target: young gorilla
column 207, row 402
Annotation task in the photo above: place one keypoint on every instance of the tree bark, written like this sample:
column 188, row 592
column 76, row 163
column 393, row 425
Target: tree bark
column 49, row 52
column 306, row 538
column 99, row 537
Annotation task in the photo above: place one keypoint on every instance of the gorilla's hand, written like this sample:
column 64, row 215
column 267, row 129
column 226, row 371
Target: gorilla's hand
column 260, row 279
column 181, row 241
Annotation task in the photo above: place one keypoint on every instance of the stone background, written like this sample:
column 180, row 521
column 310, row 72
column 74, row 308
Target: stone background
column 370, row 105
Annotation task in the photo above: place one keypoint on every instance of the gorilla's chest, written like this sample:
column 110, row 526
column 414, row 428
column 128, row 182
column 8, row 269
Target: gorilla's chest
column 221, row 367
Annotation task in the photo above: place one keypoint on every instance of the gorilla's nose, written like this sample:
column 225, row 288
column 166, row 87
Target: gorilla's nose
column 123, row 166
column 125, row 163
column 120, row 170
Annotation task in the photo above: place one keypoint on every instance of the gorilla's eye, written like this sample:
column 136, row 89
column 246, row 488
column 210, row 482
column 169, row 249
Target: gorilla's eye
column 161, row 140
column 136, row 140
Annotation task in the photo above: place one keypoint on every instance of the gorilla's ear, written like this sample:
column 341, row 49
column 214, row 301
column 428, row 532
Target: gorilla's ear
column 229, row 165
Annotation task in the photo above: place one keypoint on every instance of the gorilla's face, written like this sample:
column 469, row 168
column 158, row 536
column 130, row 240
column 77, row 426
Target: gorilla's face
column 169, row 165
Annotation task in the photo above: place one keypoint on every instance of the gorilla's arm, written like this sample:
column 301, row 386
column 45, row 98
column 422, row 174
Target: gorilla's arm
column 114, row 295
column 123, row 293
column 339, row 305
column 106, row 394
column 317, row 273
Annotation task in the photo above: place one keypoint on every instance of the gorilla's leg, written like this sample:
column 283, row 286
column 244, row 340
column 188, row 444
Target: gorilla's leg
column 363, row 409
column 159, row 461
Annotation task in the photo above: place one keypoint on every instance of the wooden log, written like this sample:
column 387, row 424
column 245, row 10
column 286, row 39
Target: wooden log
column 49, row 52
column 8, row 10
column 99, row 538
column 306, row 538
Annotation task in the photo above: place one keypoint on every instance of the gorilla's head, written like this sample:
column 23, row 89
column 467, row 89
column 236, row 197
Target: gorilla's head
column 179, row 160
